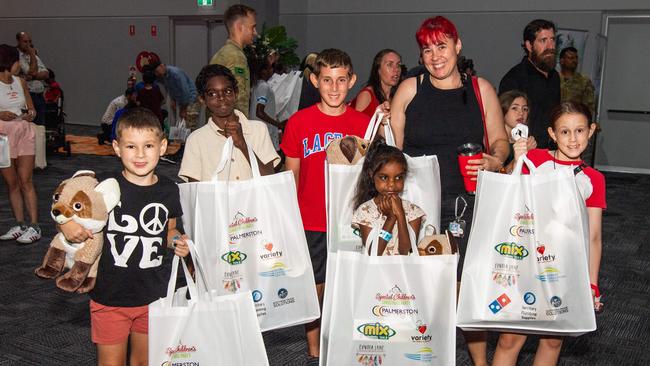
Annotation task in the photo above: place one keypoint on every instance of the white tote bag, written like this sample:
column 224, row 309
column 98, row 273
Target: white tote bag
column 286, row 88
column 204, row 328
column 526, row 267
column 391, row 310
column 422, row 187
column 5, row 157
column 40, row 160
column 179, row 131
column 250, row 235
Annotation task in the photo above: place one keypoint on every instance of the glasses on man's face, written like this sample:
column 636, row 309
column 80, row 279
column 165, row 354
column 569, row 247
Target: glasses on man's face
column 214, row 94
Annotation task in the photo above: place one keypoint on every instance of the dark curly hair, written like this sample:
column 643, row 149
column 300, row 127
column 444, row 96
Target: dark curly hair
column 378, row 154
column 210, row 71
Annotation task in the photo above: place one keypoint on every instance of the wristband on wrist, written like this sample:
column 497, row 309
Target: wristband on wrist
column 596, row 290
column 383, row 234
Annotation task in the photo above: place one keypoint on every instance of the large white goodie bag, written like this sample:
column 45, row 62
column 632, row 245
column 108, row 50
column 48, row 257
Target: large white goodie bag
column 391, row 310
column 526, row 267
column 422, row 187
column 204, row 328
column 249, row 235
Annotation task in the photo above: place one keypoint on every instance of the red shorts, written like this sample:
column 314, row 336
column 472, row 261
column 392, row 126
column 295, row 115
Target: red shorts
column 112, row 325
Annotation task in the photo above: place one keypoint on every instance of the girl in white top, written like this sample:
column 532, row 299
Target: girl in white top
column 16, row 114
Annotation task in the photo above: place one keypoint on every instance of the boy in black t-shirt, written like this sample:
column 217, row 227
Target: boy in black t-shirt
column 130, row 274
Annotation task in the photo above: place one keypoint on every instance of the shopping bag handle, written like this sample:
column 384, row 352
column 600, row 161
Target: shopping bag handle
column 519, row 164
column 226, row 158
column 171, row 286
column 374, row 242
column 373, row 128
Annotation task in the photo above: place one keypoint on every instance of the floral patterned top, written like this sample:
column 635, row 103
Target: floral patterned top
column 368, row 214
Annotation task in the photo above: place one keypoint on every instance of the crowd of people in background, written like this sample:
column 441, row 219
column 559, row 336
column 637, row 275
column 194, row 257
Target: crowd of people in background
column 433, row 108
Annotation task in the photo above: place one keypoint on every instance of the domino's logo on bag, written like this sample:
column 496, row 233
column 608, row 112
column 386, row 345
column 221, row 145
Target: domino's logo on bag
column 498, row 304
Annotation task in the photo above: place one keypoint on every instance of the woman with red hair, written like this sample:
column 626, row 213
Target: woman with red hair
column 434, row 113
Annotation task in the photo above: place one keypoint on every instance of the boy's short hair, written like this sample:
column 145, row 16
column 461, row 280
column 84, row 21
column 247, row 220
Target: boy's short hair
column 210, row 71
column 235, row 12
column 333, row 58
column 140, row 119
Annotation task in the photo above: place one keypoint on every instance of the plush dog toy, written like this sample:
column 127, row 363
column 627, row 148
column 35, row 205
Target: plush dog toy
column 87, row 203
column 432, row 244
column 347, row 150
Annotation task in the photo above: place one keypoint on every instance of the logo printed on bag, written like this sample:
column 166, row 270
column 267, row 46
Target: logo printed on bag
column 379, row 311
column 421, row 328
column 243, row 227
column 370, row 354
column 529, row 298
column 282, row 294
column 395, row 297
column 512, row 250
column 180, row 352
column 543, row 257
column 526, row 218
column 498, row 304
column 521, row 231
column 556, row 302
column 505, row 274
column 277, row 270
column 549, row 274
column 267, row 252
column 424, row 354
column 234, row 257
column 376, row 330
column 257, row 296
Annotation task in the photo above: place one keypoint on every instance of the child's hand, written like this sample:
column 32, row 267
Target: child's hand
column 181, row 248
column 74, row 232
column 521, row 148
column 385, row 206
column 396, row 206
column 233, row 129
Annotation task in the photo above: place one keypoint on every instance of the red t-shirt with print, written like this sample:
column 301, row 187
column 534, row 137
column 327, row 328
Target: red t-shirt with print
column 305, row 137
column 591, row 182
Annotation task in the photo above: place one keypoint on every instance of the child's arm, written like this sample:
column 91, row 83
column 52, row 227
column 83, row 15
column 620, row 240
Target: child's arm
column 293, row 164
column 404, row 240
column 74, row 232
column 261, row 114
column 365, row 232
column 177, row 240
column 595, row 243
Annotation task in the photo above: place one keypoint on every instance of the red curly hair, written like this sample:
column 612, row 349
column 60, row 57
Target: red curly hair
column 435, row 30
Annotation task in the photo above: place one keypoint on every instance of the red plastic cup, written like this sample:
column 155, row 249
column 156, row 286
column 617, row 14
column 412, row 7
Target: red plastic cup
column 467, row 152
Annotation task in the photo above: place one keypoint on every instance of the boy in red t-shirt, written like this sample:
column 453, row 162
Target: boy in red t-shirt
column 304, row 141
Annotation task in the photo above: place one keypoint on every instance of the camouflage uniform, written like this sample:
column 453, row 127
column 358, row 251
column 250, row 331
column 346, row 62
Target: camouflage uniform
column 578, row 88
column 233, row 57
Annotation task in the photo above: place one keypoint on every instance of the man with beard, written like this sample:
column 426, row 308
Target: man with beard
column 535, row 75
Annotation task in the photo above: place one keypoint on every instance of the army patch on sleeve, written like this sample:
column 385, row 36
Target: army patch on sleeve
column 239, row 70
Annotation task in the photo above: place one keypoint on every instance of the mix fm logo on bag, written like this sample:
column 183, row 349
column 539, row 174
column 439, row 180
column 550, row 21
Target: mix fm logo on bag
column 376, row 330
column 424, row 354
column 234, row 257
column 512, row 250
column 500, row 302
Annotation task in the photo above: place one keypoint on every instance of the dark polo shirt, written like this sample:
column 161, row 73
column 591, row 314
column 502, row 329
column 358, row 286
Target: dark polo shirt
column 543, row 94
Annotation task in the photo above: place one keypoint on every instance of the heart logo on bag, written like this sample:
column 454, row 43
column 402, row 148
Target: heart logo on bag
column 268, row 246
column 541, row 249
column 422, row 329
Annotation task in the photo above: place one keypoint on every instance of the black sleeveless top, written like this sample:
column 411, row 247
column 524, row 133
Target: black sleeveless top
column 437, row 122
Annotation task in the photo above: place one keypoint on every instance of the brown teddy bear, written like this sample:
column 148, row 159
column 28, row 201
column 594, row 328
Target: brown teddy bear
column 347, row 150
column 87, row 203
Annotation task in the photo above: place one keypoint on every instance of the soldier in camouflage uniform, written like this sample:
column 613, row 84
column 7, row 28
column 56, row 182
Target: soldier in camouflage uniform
column 240, row 22
column 574, row 85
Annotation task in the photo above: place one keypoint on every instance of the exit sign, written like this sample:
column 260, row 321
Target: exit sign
column 204, row 2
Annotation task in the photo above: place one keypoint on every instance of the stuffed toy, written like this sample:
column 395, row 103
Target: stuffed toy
column 347, row 150
column 84, row 201
column 432, row 244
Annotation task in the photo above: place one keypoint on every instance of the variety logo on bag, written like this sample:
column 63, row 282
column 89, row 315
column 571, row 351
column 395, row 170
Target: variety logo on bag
column 422, row 329
column 267, row 252
column 424, row 354
column 376, row 330
column 542, row 256
column 512, row 250
column 498, row 304
column 549, row 274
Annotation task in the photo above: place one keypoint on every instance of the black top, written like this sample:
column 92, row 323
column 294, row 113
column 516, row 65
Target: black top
column 135, row 241
column 437, row 122
column 309, row 95
column 543, row 94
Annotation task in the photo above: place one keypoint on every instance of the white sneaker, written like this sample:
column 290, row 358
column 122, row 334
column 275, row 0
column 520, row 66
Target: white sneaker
column 29, row 236
column 13, row 233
